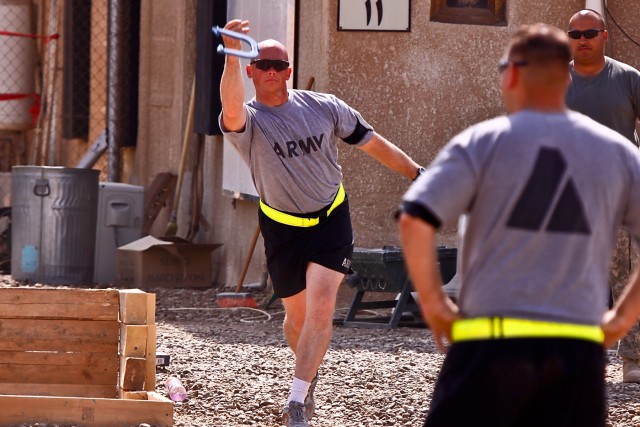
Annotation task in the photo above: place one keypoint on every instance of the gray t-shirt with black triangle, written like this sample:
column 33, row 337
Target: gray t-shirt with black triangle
column 544, row 195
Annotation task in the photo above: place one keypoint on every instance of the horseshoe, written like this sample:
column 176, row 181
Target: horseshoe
column 253, row 53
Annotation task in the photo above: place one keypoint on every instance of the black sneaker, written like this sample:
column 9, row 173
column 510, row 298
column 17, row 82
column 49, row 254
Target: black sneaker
column 294, row 415
column 309, row 402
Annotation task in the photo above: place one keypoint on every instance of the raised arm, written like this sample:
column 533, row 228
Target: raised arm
column 391, row 156
column 234, row 114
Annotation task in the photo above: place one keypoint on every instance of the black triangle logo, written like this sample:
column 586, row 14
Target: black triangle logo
column 569, row 215
column 537, row 196
column 536, row 199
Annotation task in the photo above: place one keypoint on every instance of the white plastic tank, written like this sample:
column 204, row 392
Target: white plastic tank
column 18, row 64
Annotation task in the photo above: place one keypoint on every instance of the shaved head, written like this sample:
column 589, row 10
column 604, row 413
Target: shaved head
column 588, row 14
column 273, row 49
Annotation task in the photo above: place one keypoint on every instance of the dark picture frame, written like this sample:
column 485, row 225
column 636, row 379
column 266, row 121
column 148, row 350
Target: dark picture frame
column 475, row 12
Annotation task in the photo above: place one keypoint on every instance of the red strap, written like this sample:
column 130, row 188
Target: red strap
column 35, row 108
column 12, row 96
column 31, row 36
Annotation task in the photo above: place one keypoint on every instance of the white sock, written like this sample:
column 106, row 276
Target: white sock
column 299, row 389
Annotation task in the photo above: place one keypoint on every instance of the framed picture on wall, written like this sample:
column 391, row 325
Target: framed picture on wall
column 478, row 12
column 374, row 15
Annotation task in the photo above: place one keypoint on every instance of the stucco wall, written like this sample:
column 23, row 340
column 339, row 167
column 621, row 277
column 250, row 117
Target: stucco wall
column 418, row 89
column 624, row 18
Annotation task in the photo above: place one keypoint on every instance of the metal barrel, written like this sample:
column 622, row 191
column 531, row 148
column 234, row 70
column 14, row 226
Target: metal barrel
column 53, row 227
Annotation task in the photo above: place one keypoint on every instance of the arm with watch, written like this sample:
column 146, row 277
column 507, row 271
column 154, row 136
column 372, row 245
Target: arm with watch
column 391, row 156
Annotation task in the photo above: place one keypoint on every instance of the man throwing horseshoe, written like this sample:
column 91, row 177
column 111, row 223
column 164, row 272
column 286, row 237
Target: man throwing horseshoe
column 289, row 139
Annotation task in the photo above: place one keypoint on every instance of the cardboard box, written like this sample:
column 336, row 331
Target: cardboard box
column 150, row 262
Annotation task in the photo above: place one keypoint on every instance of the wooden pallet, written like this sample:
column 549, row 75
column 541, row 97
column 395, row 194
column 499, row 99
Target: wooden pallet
column 79, row 356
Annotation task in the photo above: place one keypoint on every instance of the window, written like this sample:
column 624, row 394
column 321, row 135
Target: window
column 478, row 12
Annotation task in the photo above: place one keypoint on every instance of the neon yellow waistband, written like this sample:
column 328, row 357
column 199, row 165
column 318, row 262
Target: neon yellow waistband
column 486, row 328
column 295, row 221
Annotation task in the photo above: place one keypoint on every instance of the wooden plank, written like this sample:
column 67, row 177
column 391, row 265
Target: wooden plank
column 133, row 371
column 63, row 390
column 32, row 303
column 60, row 335
column 150, row 383
column 152, row 395
column 151, row 309
column 132, row 395
column 58, row 368
column 133, row 340
column 59, row 296
column 143, row 395
column 85, row 411
column 133, row 307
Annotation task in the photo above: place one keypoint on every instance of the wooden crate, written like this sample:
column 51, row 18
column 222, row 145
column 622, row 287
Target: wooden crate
column 79, row 356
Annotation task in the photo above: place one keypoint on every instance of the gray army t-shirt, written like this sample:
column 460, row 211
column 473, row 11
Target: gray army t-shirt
column 292, row 149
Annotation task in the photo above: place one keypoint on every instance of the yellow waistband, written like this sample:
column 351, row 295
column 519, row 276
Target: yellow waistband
column 485, row 328
column 296, row 221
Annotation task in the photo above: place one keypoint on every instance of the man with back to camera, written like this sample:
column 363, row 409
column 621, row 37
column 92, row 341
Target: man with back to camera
column 289, row 138
column 608, row 91
column 529, row 330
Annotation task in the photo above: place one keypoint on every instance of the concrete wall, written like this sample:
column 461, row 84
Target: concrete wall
column 418, row 89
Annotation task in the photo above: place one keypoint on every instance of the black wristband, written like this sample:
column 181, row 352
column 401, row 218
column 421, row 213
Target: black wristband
column 421, row 170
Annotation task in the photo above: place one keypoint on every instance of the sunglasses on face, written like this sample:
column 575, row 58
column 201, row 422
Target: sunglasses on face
column 588, row 34
column 504, row 64
column 267, row 64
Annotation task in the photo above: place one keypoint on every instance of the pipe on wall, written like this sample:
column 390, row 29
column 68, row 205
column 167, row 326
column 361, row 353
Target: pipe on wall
column 596, row 5
column 122, row 80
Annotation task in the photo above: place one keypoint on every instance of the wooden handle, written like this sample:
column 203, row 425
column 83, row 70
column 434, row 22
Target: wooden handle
column 248, row 260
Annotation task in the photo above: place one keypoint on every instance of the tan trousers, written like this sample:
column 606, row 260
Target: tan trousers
column 625, row 256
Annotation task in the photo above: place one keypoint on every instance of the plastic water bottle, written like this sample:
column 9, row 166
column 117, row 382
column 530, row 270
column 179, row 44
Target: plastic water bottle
column 176, row 390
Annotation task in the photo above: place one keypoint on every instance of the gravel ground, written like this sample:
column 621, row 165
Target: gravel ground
column 237, row 368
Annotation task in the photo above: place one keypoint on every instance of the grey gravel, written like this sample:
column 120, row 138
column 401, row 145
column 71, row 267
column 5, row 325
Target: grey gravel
column 237, row 368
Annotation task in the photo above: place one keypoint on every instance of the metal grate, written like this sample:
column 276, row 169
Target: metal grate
column 53, row 79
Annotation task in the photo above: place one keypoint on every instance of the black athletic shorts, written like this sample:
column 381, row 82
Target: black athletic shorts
column 290, row 249
column 551, row 382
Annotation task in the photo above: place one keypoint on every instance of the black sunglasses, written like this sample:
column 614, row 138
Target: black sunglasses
column 588, row 34
column 504, row 64
column 267, row 64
